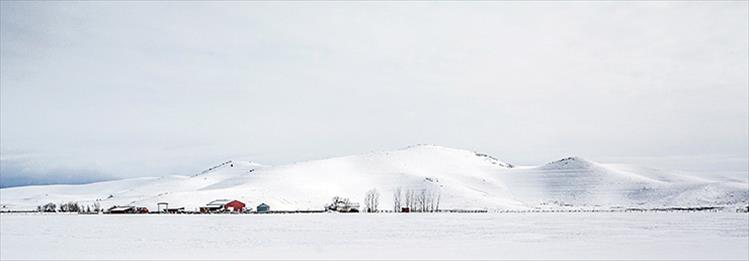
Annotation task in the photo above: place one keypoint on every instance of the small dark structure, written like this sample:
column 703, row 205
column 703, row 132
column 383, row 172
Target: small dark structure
column 405, row 209
column 121, row 210
column 263, row 208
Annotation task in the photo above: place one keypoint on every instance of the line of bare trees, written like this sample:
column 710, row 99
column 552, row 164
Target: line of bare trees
column 424, row 200
column 372, row 201
column 69, row 207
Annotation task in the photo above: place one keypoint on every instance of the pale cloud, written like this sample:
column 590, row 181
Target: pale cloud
column 142, row 89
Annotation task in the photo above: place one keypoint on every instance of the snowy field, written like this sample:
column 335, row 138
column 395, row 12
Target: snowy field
column 701, row 235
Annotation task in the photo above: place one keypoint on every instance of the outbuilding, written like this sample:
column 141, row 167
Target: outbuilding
column 175, row 210
column 263, row 208
column 121, row 210
column 162, row 207
column 234, row 206
column 214, row 206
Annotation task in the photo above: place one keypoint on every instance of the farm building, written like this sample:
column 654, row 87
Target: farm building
column 122, row 210
column 214, row 206
column 175, row 210
column 263, row 208
column 343, row 205
column 162, row 207
column 234, row 206
column 223, row 205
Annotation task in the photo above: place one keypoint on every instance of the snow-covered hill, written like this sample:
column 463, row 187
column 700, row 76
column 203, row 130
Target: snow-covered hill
column 463, row 179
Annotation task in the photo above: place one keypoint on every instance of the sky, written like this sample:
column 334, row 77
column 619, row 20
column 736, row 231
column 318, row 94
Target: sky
column 102, row 90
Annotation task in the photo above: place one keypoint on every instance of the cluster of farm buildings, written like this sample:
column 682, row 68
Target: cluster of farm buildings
column 216, row 206
column 338, row 204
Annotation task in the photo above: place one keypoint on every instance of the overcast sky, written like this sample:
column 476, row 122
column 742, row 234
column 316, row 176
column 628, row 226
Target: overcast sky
column 99, row 90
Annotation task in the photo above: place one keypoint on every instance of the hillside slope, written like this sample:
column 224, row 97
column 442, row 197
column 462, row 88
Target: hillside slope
column 463, row 180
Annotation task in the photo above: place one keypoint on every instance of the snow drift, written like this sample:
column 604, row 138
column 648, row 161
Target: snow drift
column 463, row 179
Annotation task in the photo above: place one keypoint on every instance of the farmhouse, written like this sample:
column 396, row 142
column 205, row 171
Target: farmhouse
column 223, row 205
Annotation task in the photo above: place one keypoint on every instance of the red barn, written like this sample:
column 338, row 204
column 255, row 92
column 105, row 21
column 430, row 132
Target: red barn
column 234, row 205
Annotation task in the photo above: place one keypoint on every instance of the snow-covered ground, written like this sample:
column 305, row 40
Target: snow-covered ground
column 464, row 180
column 680, row 235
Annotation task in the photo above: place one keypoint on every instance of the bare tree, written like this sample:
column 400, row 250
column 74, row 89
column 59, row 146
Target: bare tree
column 410, row 200
column 70, row 207
column 397, row 200
column 416, row 206
column 423, row 200
column 433, row 199
column 368, row 201
column 437, row 204
column 372, row 200
column 430, row 201
column 49, row 207
column 376, row 200
column 407, row 198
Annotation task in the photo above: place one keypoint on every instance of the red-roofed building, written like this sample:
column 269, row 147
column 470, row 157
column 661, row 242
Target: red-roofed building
column 234, row 206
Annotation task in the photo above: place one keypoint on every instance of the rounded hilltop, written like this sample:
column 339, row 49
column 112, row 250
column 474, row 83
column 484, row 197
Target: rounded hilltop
column 573, row 162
